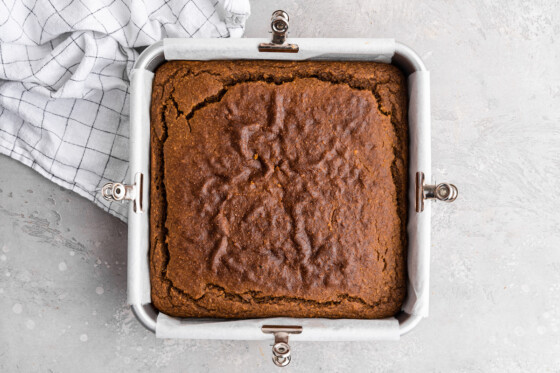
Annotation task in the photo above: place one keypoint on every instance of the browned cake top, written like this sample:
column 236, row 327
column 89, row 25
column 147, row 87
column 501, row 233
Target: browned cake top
column 281, row 181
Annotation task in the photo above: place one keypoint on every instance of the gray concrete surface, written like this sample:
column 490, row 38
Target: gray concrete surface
column 495, row 300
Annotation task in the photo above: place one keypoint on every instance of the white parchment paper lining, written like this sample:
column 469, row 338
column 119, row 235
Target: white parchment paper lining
column 416, row 303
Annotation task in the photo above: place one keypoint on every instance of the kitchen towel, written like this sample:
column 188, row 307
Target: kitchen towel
column 64, row 79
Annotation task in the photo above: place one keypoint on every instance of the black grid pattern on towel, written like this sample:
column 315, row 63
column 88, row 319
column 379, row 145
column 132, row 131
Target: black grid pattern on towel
column 64, row 82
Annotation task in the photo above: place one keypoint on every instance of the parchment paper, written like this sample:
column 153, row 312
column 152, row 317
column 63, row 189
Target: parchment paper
column 250, row 329
column 418, row 228
column 138, row 273
column 380, row 50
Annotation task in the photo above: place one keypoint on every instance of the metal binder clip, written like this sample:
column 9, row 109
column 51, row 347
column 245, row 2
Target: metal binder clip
column 281, row 349
column 443, row 192
column 279, row 24
column 123, row 192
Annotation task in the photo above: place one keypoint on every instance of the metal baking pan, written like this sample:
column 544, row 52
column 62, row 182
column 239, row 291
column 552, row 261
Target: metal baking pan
column 418, row 225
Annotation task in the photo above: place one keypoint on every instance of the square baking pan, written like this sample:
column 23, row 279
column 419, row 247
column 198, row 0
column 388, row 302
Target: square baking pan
column 415, row 306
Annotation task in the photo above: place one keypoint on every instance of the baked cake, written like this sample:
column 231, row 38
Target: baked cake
column 278, row 189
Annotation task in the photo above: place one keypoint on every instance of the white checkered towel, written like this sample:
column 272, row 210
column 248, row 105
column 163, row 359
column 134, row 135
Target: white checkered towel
column 64, row 68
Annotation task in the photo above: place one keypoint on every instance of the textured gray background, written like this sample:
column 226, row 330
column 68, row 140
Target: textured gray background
column 495, row 301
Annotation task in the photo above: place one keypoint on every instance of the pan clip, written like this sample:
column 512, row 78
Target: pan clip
column 279, row 25
column 443, row 192
column 281, row 354
column 122, row 192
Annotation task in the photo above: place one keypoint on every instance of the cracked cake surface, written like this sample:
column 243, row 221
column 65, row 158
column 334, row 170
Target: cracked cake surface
column 278, row 188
